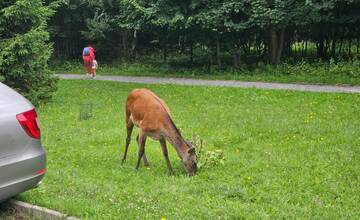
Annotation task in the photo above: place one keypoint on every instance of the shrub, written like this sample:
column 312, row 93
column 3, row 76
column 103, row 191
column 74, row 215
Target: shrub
column 25, row 50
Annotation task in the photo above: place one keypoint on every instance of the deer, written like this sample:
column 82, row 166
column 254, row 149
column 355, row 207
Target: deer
column 152, row 116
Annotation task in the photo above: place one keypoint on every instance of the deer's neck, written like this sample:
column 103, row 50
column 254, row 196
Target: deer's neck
column 175, row 138
column 179, row 145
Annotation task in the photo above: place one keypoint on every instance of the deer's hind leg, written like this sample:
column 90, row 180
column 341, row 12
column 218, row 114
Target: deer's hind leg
column 129, row 128
column 141, row 143
column 145, row 160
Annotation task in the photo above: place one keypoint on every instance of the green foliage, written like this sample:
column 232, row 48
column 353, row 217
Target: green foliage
column 267, row 28
column 97, row 26
column 25, row 49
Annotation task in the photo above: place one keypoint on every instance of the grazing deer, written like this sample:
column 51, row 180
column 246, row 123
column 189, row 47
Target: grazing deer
column 151, row 115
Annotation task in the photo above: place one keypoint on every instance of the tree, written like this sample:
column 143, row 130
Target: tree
column 253, row 30
column 25, row 49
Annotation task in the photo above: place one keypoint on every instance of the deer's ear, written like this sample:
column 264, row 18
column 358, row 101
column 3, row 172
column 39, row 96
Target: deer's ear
column 191, row 150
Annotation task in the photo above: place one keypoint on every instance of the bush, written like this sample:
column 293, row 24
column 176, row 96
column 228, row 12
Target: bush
column 25, row 50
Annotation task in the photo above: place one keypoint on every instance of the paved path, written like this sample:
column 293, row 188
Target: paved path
column 225, row 83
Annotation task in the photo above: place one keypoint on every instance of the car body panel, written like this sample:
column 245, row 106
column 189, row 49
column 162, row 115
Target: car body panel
column 21, row 157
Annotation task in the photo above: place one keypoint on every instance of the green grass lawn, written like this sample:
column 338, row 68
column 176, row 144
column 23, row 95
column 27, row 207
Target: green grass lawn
column 287, row 155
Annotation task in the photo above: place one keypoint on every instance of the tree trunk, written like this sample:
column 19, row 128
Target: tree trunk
column 341, row 46
column 280, row 46
column 273, row 46
column 327, row 43
column 333, row 48
column 320, row 42
column 218, row 59
column 124, row 43
column 259, row 49
column 333, row 43
column 134, row 44
column 258, row 46
column 210, row 62
column 163, row 47
column 236, row 65
column 237, row 59
column 210, row 59
column 164, row 52
column 302, row 48
column 320, row 48
column 183, row 44
column 276, row 45
column 341, row 42
column 191, row 50
column 349, row 50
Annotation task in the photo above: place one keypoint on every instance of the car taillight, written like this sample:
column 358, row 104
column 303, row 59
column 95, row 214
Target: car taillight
column 41, row 171
column 28, row 121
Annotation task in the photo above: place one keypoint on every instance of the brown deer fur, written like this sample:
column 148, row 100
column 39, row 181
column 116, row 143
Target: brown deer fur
column 152, row 116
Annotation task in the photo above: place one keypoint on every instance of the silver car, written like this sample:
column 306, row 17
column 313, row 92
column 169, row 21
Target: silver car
column 22, row 158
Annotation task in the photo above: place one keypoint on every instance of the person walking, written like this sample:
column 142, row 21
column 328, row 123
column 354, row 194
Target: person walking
column 88, row 57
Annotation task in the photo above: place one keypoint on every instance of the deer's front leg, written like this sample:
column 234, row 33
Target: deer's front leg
column 166, row 156
column 141, row 143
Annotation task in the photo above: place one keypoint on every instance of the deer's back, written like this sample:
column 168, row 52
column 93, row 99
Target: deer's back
column 146, row 109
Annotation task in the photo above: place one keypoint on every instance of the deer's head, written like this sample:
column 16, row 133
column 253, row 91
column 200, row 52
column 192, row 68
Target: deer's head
column 190, row 160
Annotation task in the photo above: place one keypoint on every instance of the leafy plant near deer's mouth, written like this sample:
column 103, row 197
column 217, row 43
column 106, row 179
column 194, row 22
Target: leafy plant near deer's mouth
column 207, row 158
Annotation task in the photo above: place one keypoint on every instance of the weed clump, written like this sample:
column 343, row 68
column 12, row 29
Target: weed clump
column 206, row 154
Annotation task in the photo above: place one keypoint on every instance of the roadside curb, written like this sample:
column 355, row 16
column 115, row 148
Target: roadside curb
column 38, row 212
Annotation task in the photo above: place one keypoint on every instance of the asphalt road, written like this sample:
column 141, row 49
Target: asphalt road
column 223, row 83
